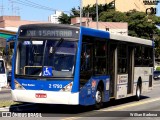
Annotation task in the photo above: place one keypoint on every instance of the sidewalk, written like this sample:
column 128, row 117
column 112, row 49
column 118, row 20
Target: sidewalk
column 5, row 88
column 156, row 82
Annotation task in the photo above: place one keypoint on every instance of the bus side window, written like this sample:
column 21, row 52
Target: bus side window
column 86, row 58
column 100, row 57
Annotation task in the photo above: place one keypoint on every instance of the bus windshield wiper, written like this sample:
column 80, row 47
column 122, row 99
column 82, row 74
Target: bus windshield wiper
column 56, row 45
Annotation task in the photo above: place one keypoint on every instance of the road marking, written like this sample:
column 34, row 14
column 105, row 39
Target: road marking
column 114, row 109
column 131, row 105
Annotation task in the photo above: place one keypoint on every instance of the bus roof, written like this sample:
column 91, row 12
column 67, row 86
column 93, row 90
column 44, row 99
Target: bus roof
column 46, row 25
column 98, row 33
column 117, row 37
column 131, row 39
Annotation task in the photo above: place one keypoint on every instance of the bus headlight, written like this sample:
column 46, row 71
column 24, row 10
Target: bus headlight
column 18, row 85
column 67, row 87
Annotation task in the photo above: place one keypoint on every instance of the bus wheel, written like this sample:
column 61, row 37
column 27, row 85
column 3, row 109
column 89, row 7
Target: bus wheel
column 138, row 92
column 99, row 102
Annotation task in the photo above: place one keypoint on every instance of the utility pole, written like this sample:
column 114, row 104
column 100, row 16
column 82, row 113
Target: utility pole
column 81, row 4
column 97, row 12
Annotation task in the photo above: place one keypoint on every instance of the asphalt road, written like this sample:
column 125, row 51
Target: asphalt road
column 5, row 94
column 127, row 109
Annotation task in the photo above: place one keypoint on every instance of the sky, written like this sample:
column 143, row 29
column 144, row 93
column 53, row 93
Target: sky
column 158, row 10
column 21, row 8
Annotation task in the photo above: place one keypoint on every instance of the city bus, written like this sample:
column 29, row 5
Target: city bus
column 69, row 65
column 3, row 73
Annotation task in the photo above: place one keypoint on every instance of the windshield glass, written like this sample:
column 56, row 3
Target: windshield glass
column 2, row 68
column 49, row 58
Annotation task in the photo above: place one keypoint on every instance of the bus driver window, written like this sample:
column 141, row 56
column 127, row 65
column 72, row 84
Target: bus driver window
column 85, row 60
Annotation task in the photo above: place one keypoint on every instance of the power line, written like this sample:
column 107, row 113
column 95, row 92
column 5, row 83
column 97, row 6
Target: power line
column 36, row 5
column 39, row 5
column 31, row 4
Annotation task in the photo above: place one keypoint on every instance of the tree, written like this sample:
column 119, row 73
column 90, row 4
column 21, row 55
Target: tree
column 88, row 11
column 112, row 16
column 139, row 24
column 64, row 19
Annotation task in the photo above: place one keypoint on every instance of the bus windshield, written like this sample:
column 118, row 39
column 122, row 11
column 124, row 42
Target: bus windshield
column 47, row 58
column 2, row 68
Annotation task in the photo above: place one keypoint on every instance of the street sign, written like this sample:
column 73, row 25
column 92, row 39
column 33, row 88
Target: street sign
column 151, row 2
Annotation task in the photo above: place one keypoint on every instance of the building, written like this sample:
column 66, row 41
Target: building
column 122, row 5
column 112, row 27
column 54, row 18
column 8, row 28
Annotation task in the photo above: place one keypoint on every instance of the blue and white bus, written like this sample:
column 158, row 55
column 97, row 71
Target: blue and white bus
column 60, row 64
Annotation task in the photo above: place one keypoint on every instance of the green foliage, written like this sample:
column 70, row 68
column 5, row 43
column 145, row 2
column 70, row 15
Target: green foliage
column 75, row 12
column 88, row 11
column 112, row 16
column 158, row 68
column 64, row 19
column 139, row 24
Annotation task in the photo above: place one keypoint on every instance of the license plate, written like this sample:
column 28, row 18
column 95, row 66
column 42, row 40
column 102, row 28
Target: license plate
column 41, row 95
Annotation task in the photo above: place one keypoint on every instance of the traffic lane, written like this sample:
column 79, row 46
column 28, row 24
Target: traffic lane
column 4, row 91
column 154, row 92
column 5, row 95
column 70, row 111
column 155, row 82
column 65, row 110
column 79, row 112
column 128, row 112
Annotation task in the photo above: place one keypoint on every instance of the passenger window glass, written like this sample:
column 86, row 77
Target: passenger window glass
column 122, row 58
column 86, row 56
column 100, row 57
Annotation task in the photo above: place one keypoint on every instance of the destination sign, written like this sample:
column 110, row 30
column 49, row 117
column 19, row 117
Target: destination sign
column 58, row 33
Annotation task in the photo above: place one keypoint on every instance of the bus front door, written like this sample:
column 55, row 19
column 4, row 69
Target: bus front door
column 130, row 69
column 112, row 69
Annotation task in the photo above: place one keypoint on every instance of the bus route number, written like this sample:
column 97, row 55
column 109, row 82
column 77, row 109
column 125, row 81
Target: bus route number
column 55, row 85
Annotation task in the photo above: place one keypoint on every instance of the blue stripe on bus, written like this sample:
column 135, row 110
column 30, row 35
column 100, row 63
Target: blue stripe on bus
column 13, row 64
column 95, row 33
column 50, row 85
column 75, row 87
column 87, row 93
column 89, row 32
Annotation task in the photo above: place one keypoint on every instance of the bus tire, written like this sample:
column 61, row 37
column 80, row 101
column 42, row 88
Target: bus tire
column 138, row 92
column 98, row 97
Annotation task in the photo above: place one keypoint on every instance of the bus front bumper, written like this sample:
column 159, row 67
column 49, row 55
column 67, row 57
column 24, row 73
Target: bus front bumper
column 46, row 97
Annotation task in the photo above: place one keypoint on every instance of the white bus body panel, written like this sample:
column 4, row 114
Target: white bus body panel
column 52, row 97
column 3, row 80
column 144, row 73
column 122, row 80
column 3, row 76
column 139, row 72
